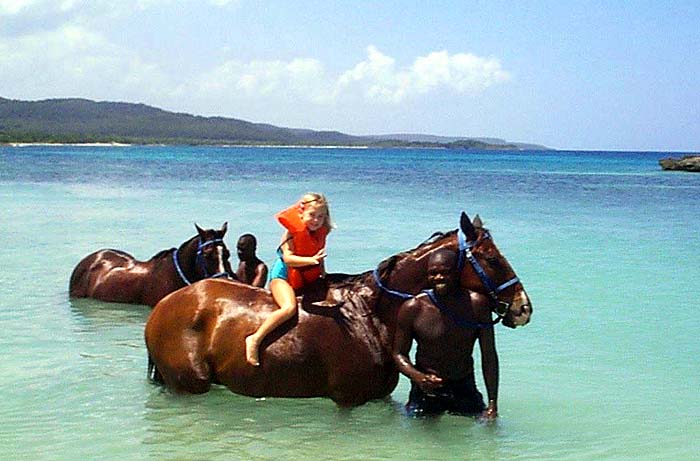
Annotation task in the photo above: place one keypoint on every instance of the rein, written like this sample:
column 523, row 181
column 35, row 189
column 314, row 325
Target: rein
column 459, row 321
column 199, row 261
column 465, row 253
column 384, row 288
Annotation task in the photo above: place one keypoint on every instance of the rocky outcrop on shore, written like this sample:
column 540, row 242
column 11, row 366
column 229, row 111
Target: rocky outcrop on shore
column 686, row 163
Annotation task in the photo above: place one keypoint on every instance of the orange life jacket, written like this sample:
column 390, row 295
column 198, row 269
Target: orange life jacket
column 305, row 243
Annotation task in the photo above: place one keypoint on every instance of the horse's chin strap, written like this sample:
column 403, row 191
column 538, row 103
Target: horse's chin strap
column 457, row 319
column 465, row 252
column 384, row 288
column 200, row 262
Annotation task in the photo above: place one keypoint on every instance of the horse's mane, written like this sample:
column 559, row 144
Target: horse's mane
column 167, row 252
column 163, row 253
column 387, row 265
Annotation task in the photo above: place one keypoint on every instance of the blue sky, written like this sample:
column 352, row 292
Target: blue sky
column 615, row 75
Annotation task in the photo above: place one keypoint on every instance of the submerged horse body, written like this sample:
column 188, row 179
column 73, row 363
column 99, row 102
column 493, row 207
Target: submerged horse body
column 195, row 336
column 115, row 276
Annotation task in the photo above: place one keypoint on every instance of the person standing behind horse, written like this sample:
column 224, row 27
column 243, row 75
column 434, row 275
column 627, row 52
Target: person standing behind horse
column 251, row 269
column 446, row 322
column 300, row 262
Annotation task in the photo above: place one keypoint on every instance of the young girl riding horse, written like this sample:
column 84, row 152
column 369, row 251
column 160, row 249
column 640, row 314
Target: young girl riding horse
column 299, row 262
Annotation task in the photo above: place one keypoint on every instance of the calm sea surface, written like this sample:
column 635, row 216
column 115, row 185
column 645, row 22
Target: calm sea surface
column 607, row 245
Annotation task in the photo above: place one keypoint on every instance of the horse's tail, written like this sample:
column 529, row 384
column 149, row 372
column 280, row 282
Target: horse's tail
column 154, row 375
column 78, row 285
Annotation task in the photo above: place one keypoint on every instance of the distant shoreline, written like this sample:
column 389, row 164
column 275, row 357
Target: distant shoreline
column 251, row 146
column 74, row 144
column 76, row 122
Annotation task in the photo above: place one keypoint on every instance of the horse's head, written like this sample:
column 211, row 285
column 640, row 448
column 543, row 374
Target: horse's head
column 212, row 253
column 485, row 270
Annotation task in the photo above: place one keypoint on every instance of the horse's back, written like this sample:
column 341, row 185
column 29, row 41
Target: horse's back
column 196, row 337
column 101, row 275
column 199, row 329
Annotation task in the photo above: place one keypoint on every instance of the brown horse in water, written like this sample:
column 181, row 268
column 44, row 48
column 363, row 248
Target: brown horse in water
column 195, row 336
column 115, row 276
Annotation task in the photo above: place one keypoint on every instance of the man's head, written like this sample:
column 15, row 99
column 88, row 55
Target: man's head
column 442, row 271
column 246, row 247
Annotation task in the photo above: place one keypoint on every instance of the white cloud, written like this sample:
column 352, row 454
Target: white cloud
column 296, row 79
column 12, row 7
column 36, row 8
column 74, row 61
column 377, row 78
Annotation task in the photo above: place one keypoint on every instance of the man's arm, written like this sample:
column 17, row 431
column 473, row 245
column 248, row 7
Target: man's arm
column 260, row 275
column 403, row 339
column 489, row 357
column 490, row 369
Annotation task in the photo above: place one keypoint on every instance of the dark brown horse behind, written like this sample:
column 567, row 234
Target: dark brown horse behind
column 195, row 336
column 115, row 276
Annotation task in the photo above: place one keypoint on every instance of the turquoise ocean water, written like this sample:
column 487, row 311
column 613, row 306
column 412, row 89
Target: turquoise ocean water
column 607, row 246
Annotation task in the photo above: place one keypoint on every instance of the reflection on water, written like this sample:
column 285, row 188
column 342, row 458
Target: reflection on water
column 221, row 425
column 95, row 314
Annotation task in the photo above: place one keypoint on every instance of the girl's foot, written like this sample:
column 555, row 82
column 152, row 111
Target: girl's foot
column 251, row 351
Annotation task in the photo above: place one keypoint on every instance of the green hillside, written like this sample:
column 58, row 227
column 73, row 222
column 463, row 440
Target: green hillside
column 85, row 121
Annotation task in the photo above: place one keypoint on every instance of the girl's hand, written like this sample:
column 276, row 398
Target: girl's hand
column 319, row 257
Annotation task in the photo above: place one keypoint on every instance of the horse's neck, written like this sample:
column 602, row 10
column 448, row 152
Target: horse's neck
column 187, row 258
column 406, row 274
column 409, row 275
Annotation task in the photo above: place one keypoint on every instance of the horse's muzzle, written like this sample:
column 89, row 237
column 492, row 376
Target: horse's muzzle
column 520, row 311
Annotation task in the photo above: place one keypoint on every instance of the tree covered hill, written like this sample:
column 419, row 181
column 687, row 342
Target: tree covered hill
column 83, row 121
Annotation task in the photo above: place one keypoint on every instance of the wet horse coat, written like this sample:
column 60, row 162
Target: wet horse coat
column 115, row 276
column 195, row 336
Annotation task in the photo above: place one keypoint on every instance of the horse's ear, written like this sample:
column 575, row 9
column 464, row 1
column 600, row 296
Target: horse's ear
column 224, row 228
column 200, row 231
column 477, row 222
column 467, row 227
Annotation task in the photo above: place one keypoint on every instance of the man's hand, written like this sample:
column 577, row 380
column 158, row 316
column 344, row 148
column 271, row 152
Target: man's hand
column 429, row 382
column 491, row 412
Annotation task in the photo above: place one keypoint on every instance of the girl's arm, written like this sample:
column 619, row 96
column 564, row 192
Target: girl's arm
column 293, row 260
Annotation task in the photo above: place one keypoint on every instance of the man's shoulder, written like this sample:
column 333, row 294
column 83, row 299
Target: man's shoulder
column 418, row 303
column 260, row 264
column 415, row 302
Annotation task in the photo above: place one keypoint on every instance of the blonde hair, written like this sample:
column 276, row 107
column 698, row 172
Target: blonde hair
column 316, row 200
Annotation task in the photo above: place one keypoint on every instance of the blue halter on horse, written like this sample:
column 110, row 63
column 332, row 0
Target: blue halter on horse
column 465, row 253
column 199, row 261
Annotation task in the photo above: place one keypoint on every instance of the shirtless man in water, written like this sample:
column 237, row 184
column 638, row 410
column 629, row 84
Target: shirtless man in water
column 251, row 269
column 446, row 326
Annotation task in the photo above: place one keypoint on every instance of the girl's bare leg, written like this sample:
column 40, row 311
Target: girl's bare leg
column 286, row 299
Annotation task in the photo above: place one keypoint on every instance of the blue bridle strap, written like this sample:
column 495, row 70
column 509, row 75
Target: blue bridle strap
column 200, row 246
column 203, row 266
column 179, row 269
column 458, row 320
column 384, row 288
column 465, row 252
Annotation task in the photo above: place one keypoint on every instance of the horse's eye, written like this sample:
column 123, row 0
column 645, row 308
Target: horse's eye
column 493, row 261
